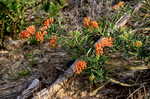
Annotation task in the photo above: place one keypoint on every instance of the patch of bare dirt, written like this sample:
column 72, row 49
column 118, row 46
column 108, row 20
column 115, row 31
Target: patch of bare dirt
column 20, row 66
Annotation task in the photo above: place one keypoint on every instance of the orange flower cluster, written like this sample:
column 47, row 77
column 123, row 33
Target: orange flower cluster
column 39, row 36
column 24, row 34
column 118, row 5
column 80, row 65
column 94, row 24
column 87, row 22
column 28, row 32
column 53, row 41
column 48, row 22
column 104, row 42
column 31, row 30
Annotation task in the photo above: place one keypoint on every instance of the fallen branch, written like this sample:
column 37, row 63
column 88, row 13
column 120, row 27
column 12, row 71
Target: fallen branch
column 134, row 92
column 47, row 93
column 28, row 92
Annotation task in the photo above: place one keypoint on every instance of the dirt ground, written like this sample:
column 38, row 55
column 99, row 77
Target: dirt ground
column 20, row 66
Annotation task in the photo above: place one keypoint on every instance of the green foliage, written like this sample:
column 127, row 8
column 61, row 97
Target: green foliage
column 120, row 12
column 95, row 68
column 76, row 43
column 32, row 40
column 12, row 15
column 54, row 7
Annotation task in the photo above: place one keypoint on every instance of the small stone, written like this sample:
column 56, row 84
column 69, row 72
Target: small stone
column 83, row 94
column 97, row 96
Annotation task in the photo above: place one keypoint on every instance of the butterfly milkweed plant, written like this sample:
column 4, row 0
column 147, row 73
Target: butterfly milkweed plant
column 35, row 35
column 94, row 44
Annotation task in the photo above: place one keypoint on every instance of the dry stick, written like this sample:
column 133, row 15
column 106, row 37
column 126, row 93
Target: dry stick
column 134, row 92
column 120, row 83
column 144, row 90
column 99, row 88
column 32, row 87
column 130, row 67
column 141, row 29
column 110, row 80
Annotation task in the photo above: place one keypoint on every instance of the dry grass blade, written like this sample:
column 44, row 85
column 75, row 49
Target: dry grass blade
column 135, row 68
column 120, row 83
column 123, row 20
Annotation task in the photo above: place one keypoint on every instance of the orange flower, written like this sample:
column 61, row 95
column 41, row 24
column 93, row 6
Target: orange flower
column 86, row 21
column 80, row 65
column 44, row 28
column 137, row 43
column 99, row 49
column 39, row 36
column 53, row 41
column 94, row 24
column 31, row 30
column 118, row 5
column 106, row 41
column 24, row 34
column 28, row 32
column 48, row 22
